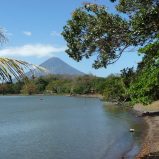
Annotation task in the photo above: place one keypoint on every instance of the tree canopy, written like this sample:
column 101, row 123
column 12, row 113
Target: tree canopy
column 93, row 30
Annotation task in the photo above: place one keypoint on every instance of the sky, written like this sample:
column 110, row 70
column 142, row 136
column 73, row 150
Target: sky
column 33, row 30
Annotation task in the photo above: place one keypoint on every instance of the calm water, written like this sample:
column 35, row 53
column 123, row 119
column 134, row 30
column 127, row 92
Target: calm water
column 64, row 128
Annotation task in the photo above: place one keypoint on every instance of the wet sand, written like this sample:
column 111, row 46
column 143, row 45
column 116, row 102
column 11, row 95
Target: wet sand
column 150, row 146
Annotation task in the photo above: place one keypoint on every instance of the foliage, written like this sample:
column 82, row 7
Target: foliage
column 93, row 29
column 83, row 85
column 57, row 85
column 41, row 84
column 12, row 67
column 113, row 90
column 3, row 38
column 145, row 87
column 29, row 88
column 143, row 16
column 5, row 88
column 98, row 85
column 127, row 76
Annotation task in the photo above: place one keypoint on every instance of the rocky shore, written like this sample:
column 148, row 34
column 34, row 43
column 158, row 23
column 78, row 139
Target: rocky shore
column 150, row 147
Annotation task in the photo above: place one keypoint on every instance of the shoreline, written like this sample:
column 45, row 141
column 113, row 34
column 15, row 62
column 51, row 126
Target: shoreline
column 67, row 95
column 150, row 134
column 134, row 149
column 87, row 96
column 150, row 143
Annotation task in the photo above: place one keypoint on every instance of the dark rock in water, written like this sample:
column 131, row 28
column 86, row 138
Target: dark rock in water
column 154, row 155
column 151, row 113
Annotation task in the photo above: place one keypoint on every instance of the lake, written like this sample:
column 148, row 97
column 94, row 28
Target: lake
column 57, row 127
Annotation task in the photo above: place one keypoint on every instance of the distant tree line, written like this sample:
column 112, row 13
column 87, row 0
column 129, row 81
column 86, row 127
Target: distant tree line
column 55, row 84
column 130, row 85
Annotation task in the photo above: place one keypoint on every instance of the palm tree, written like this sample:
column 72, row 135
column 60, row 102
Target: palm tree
column 12, row 67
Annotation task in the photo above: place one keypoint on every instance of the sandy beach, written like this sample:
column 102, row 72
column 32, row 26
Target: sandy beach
column 150, row 146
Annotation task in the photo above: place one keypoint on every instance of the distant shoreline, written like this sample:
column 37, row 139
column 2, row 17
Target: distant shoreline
column 87, row 96
column 67, row 95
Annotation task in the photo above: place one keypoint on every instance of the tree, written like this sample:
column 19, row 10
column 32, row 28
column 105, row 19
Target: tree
column 41, row 84
column 12, row 67
column 55, row 86
column 93, row 29
column 29, row 88
column 127, row 77
column 145, row 87
column 113, row 89
column 83, row 85
column 3, row 89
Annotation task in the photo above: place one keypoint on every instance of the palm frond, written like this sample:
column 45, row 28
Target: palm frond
column 15, row 68
column 3, row 37
column 11, row 67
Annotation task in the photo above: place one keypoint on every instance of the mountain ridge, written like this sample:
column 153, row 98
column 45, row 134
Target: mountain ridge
column 56, row 66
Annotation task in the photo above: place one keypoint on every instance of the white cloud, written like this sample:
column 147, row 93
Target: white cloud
column 37, row 50
column 55, row 33
column 27, row 33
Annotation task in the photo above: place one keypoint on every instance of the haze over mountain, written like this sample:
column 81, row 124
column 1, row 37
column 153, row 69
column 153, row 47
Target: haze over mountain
column 56, row 66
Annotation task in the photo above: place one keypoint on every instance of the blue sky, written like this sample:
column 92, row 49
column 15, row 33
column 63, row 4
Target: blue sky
column 33, row 28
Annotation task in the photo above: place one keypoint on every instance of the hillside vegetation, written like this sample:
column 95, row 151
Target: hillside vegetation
column 120, row 88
